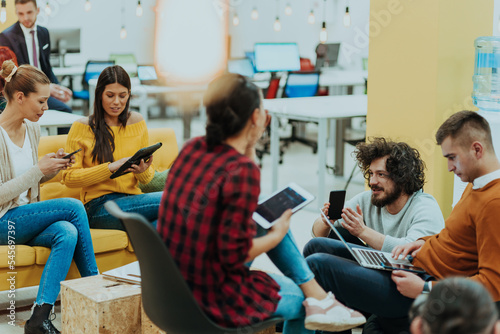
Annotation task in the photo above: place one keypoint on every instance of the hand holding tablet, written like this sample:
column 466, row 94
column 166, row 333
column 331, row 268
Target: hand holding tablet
column 144, row 153
column 291, row 197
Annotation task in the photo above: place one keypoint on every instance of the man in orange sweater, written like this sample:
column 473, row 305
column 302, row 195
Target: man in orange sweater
column 467, row 246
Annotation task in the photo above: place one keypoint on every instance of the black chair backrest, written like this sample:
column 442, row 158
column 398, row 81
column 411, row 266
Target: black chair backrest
column 166, row 297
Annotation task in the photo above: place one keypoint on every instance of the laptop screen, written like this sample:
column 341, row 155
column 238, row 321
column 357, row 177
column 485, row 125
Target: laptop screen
column 146, row 73
column 241, row 66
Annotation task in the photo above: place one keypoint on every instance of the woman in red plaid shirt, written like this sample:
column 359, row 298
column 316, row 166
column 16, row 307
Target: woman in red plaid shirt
column 206, row 222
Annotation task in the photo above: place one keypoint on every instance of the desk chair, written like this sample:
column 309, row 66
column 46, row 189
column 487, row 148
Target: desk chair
column 93, row 69
column 301, row 84
column 166, row 297
column 264, row 143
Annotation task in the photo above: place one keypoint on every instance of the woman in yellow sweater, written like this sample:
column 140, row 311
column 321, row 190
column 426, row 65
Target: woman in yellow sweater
column 108, row 138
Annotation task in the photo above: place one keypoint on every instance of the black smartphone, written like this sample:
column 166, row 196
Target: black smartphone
column 394, row 266
column 337, row 199
column 67, row 156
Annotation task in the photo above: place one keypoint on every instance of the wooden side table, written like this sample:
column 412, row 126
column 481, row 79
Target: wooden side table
column 97, row 305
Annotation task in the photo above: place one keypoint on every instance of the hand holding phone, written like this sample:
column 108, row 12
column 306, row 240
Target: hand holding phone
column 68, row 156
column 337, row 199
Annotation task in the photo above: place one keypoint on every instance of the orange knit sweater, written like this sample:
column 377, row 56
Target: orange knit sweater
column 94, row 178
column 469, row 245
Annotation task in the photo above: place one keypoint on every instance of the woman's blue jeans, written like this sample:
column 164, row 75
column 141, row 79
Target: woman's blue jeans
column 60, row 224
column 289, row 260
column 144, row 204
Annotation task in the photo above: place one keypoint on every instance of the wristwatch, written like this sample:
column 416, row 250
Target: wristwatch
column 427, row 287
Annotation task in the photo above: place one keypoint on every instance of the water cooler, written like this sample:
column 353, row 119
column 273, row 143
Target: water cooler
column 486, row 94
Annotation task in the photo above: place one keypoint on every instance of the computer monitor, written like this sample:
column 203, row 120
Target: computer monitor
column 64, row 41
column 148, row 76
column 241, row 66
column 327, row 55
column 276, row 57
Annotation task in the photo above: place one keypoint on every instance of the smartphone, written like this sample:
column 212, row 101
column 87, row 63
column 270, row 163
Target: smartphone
column 405, row 267
column 291, row 197
column 337, row 199
column 67, row 156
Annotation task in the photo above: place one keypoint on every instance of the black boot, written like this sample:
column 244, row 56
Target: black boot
column 39, row 322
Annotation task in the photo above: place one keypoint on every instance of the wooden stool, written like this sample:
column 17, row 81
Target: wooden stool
column 97, row 305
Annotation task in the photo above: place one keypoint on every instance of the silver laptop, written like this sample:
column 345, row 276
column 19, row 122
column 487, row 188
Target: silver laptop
column 373, row 258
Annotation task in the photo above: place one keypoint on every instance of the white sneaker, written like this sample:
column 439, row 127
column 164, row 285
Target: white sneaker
column 330, row 315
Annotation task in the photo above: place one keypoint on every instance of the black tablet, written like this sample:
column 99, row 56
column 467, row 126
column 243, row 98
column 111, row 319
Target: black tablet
column 144, row 153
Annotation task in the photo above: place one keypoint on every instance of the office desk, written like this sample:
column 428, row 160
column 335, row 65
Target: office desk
column 53, row 119
column 318, row 109
column 70, row 70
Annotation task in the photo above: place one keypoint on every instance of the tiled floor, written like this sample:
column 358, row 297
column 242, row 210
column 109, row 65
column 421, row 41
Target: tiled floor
column 299, row 166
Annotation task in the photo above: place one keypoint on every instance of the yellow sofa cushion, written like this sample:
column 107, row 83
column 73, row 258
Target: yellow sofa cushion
column 25, row 256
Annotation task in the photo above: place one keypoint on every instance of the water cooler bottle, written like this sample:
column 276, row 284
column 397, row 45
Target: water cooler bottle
column 486, row 93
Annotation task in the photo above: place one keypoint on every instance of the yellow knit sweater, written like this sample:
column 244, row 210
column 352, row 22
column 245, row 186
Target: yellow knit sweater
column 94, row 178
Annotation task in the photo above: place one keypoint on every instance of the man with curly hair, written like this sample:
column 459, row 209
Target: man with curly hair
column 467, row 246
column 393, row 212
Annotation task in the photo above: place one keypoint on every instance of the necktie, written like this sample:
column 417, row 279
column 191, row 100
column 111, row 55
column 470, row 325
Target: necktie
column 35, row 56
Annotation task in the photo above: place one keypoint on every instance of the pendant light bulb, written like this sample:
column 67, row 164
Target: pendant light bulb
column 87, row 6
column 123, row 32
column 323, row 34
column 311, row 19
column 288, row 9
column 48, row 10
column 236, row 20
column 255, row 14
column 347, row 18
column 3, row 15
column 138, row 10
column 277, row 24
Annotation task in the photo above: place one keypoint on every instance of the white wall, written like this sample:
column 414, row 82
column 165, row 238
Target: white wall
column 296, row 29
column 100, row 27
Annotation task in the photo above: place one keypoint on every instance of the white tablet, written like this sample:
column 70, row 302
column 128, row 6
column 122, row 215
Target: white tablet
column 270, row 209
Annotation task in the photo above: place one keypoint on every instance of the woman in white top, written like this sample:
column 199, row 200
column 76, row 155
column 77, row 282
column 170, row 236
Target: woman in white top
column 60, row 224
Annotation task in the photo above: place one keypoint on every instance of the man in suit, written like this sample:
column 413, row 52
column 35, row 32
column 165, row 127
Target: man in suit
column 31, row 44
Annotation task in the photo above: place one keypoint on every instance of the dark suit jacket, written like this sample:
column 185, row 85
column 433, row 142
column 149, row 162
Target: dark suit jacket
column 13, row 38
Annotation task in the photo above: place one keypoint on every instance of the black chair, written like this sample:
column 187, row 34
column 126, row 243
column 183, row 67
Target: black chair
column 166, row 297
column 301, row 84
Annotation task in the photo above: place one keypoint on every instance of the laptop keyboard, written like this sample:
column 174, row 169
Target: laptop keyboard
column 374, row 258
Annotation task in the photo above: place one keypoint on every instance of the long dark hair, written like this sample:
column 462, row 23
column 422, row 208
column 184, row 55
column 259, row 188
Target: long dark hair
column 230, row 101
column 103, row 136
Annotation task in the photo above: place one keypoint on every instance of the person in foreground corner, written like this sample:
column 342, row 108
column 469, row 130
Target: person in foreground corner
column 108, row 138
column 456, row 305
column 467, row 246
column 206, row 222
column 60, row 224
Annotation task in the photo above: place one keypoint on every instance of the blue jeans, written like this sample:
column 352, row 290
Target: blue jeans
column 60, row 224
column 288, row 259
column 368, row 290
column 144, row 204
